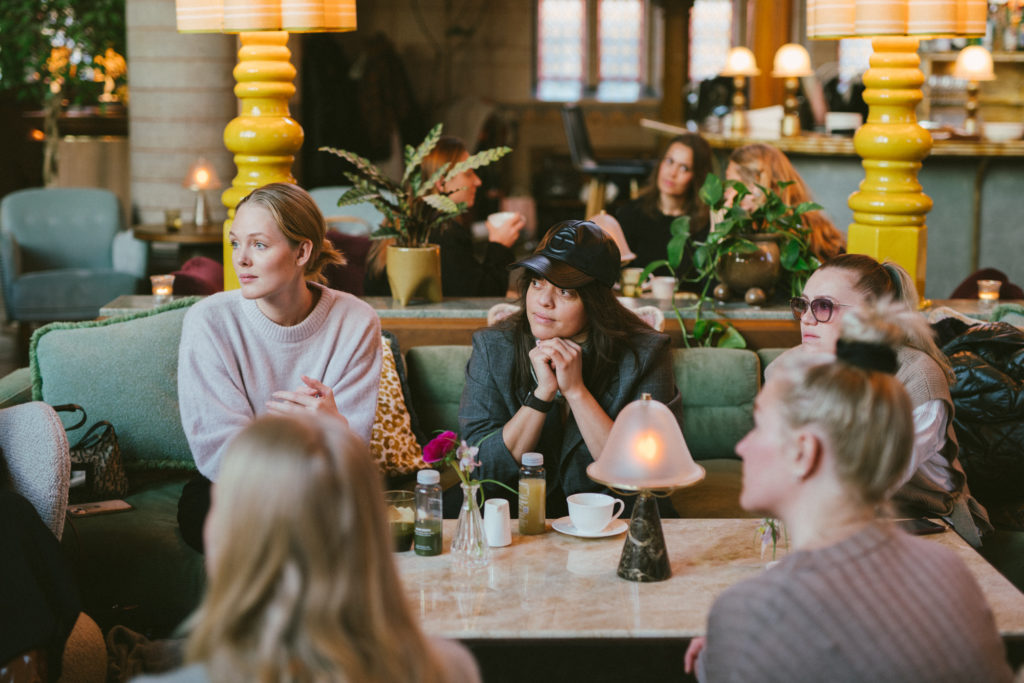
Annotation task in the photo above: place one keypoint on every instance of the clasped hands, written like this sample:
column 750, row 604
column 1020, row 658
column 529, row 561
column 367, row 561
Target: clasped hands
column 315, row 397
column 558, row 366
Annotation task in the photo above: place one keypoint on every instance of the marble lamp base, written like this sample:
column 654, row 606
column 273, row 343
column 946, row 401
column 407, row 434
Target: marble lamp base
column 644, row 555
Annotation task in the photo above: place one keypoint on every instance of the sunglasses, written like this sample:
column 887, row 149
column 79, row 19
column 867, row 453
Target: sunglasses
column 821, row 307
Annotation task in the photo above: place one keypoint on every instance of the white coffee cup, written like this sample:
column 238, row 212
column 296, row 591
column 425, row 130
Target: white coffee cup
column 500, row 218
column 591, row 512
column 663, row 287
column 497, row 525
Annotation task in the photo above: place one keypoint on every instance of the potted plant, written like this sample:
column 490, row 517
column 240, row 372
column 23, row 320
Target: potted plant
column 770, row 238
column 414, row 208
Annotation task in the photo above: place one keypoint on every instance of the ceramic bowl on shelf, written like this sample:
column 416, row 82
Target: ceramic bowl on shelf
column 1004, row 131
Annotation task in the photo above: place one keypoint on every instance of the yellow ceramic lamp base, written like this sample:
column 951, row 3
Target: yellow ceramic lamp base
column 263, row 137
column 889, row 209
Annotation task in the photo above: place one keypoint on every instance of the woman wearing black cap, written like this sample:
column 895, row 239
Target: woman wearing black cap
column 552, row 377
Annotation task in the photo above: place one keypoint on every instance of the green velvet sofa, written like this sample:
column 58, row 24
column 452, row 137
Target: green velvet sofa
column 133, row 567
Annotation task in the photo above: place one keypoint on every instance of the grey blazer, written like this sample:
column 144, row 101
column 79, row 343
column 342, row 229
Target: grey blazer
column 488, row 403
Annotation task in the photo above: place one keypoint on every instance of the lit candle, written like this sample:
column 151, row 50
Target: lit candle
column 163, row 287
column 988, row 290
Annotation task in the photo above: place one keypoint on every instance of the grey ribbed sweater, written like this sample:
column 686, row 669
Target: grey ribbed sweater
column 878, row 606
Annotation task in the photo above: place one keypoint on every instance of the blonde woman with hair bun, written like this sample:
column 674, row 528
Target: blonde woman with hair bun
column 855, row 598
column 933, row 482
column 302, row 584
column 280, row 343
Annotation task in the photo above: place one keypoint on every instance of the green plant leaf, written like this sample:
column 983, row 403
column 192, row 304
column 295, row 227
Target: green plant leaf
column 731, row 339
column 676, row 248
column 702, row 257
column 804, row 207
column 651, row 267
column 424, row 148
column 478, row 160
column 443, row 203
column 363, row 166
column 711, row 192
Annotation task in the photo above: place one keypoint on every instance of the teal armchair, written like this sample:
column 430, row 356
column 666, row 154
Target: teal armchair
column 64, row 254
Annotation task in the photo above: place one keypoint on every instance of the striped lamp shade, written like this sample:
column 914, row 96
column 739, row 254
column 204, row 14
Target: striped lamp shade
column 862, row 18
column 295, row 16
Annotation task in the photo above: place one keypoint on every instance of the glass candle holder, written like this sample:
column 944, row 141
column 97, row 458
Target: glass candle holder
column 163, row 287
column 401, row 507
column 988, row 290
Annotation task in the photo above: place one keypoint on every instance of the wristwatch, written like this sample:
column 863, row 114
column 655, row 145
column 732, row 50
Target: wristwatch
column 537, row 404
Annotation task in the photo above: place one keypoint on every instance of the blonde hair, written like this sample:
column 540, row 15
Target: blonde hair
column 865, row 415
column 765, row 165
column 298, row 218
column 447, row 151
column 890, row 281
column 302, row 585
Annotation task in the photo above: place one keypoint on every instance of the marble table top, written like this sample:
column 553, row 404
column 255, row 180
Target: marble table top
column 558, row 586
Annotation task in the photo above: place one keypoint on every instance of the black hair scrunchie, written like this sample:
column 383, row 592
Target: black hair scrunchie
column 867, row 355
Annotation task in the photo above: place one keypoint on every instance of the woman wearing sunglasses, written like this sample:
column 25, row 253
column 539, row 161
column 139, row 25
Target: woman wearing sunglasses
column 934, row 482
column 854, row 599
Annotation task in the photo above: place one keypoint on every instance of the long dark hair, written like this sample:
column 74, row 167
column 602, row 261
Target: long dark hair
column 610, row 327
column 694, row 208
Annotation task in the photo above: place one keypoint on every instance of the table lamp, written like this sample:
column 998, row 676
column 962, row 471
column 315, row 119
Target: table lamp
column 889, row 208
column 791, row 63
column 973, row 64
column 645, row 453
column 201, row 176
column 739, row 64
column 263, row 137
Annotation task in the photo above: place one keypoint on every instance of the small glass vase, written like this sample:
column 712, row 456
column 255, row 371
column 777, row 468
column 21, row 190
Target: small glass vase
column 469, row 546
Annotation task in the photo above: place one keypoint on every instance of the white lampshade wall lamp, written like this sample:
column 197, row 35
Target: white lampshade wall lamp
column 264, row 138
column 645, row 454
column 973, row 64
column 739, row 64
column 889, row 209
column 792, row 62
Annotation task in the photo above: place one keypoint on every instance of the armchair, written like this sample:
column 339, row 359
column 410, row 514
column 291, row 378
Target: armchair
column 64, row 255
column 583, row 160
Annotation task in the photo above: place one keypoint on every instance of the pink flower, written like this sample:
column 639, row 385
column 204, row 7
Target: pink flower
column 439, row 447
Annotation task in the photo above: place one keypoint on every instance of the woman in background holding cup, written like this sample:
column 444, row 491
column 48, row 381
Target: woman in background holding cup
column 673, row 192
column 856, row 599
column 552, row 377
column 302, row 585
column 461, row 273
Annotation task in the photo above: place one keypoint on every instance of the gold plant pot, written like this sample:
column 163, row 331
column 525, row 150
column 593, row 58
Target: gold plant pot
column 760, row 269
column 414, row 273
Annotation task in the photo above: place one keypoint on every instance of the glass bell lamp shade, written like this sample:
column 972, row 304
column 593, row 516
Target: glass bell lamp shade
column 974, row 63
column 645, row 450
column 201, row 176
column 740, row 62
column 792, row 60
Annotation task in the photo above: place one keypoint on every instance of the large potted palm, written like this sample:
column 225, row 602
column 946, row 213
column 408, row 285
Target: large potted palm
column 415, row 208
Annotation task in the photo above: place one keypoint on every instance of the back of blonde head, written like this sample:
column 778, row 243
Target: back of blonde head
column 864, row 414
column 302, row 585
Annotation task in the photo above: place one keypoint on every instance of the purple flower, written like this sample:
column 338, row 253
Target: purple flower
column 439, row 447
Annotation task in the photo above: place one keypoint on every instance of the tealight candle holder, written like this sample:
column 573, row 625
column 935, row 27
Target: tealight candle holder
column 163, row 287
column 988, row 291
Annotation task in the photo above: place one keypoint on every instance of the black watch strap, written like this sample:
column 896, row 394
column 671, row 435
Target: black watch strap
column 537, row 404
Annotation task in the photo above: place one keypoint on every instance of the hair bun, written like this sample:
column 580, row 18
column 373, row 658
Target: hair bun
column 867, row 355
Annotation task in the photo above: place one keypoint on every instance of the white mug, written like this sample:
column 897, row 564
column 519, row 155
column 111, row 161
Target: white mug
column 663, row 287
column 591, row 512
column 500, row 218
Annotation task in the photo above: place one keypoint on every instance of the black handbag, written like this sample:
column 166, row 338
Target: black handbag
column 99, row 456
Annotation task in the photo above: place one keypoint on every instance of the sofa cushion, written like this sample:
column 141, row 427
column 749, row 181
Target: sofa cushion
column 133, row 567
column 124, row 370
column 718, row 388
column 436, row 377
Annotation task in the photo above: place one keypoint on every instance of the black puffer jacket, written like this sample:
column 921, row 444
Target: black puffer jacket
column 988, row 396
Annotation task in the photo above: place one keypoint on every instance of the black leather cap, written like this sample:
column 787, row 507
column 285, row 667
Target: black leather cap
column 575, row 253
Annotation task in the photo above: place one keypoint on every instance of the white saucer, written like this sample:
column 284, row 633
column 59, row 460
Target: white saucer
column 565, row 526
